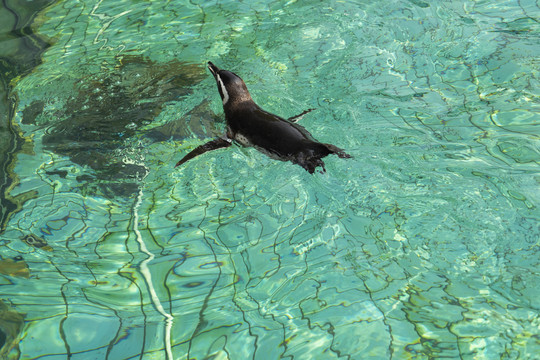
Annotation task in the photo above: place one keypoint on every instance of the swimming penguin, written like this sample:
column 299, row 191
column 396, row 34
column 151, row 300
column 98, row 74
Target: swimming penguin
column 249, row 125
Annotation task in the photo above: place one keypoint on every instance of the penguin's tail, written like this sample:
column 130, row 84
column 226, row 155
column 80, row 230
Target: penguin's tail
column 339, row 152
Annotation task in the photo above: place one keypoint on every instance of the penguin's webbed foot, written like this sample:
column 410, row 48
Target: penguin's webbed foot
column 310, row 163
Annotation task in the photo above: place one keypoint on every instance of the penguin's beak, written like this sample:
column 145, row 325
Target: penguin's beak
column 213, row 68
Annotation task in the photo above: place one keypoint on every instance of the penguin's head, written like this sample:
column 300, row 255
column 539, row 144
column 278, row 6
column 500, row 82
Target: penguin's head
column 230, row 86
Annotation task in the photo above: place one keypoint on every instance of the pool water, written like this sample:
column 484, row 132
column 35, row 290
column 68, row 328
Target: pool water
column 424, row 245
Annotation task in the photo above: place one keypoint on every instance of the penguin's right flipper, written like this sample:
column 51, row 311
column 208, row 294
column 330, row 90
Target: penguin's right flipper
column 299, row 116
column 209, row 146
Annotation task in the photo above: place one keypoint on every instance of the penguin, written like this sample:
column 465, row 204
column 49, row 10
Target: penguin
column 251, row 126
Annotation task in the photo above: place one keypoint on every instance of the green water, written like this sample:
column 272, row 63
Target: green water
column 425, row 245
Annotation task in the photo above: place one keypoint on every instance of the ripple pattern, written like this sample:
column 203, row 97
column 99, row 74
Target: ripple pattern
column 423, row 246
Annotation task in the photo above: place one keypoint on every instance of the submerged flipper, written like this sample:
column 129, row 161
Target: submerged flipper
column 209, row 146
column 299, row 116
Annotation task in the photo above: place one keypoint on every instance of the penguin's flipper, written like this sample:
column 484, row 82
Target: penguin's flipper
column 299, row 116
column 209, row 146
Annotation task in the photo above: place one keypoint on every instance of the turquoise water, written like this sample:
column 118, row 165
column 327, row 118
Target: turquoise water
column 425, row 245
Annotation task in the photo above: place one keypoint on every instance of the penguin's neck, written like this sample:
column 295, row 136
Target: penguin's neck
column 239, row 101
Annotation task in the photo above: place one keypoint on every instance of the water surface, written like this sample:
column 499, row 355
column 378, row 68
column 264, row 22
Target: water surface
column 424, row 245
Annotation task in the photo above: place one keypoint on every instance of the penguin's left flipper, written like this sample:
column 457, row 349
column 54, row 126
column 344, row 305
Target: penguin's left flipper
column 299, row 116
column 209, row 146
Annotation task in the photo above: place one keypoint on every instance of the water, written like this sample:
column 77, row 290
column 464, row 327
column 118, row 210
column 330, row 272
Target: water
column 424, row 245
